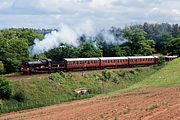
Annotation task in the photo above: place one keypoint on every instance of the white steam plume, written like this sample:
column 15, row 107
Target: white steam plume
column 110, row 38
column 69, row 35
column 65, row 35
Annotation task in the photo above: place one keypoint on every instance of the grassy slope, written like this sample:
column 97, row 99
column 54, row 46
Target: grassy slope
column 167, row 76
column 38, row 89
column 43, row 91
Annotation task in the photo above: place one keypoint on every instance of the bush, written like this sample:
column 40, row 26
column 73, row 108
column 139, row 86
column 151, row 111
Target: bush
column 1, row 103
column 1, row 67
column 161, row 61
column 133, row 72
column 19, row 96
column 5, row 88
column 106, row 75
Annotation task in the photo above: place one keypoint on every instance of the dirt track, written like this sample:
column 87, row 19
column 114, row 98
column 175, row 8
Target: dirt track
column 143, row 104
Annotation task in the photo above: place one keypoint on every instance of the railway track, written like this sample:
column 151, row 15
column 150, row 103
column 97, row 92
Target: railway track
column 82, row 72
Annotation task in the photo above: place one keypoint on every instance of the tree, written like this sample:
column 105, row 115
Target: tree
column 22, row 33
column 137, row 43
column 61, row 52
column 161, row 41
column 173, row 47
column 14, row 45
column 1, row 67
column 88, row 50
column 12, row 53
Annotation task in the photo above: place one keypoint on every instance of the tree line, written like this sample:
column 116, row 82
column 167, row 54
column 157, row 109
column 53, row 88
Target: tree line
column 145, row 39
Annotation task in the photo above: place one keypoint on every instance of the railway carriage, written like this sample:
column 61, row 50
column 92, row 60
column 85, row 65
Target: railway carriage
column 80, row 63
column 113, row 61
column 169, row 58
column 142, row 60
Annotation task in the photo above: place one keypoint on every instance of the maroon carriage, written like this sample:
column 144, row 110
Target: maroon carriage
column 80, row 63
column 142, row 60
column 169, row 58
column 113, row 61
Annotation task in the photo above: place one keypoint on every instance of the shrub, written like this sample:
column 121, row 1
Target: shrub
column 133, row 71
column 19, row 96
column 56, row 76
column 1, row 67
column 161, row 61
column 106, row 75
column 5, row 88
column 1, row 103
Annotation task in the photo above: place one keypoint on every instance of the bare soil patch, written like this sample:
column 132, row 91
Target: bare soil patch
column 141, row 104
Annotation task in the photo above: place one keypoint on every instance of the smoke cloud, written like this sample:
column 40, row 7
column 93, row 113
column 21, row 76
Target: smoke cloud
column 69, row 35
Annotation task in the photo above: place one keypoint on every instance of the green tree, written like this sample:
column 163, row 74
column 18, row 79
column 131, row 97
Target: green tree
column 22, row 33
column 12, row 53
column 89, row 50
column 137, row 43
column 173, row 47
column 14, row 44
column 61, row 52
column 161, row 41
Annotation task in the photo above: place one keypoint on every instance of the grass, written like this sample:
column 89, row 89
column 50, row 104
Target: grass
column 166, row 77
column 59, row 87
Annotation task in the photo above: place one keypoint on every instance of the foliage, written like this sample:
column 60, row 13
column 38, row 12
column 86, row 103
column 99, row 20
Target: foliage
column 173, row 47
column 1, row 67
column 88, row 50
column 106, row 75
column 5, row 88
column 137, row 43
column 19, row 96
column 14, row 45
column 1, row 103
column 161, row 61
column 59, row 53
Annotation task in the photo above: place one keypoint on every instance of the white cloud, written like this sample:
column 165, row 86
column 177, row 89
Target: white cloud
column 103, row 13
column 177, row 12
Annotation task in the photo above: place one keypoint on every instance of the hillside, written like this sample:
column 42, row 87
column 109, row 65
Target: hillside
column 38, row 91
column 155, row 97
column 167, row 76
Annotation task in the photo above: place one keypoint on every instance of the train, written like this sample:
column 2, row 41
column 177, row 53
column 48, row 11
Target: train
column 67, row 64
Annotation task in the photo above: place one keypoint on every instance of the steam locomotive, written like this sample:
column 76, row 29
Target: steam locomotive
column 48, row 66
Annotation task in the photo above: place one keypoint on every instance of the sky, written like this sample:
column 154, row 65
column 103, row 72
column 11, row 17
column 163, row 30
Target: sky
column 101, row 13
